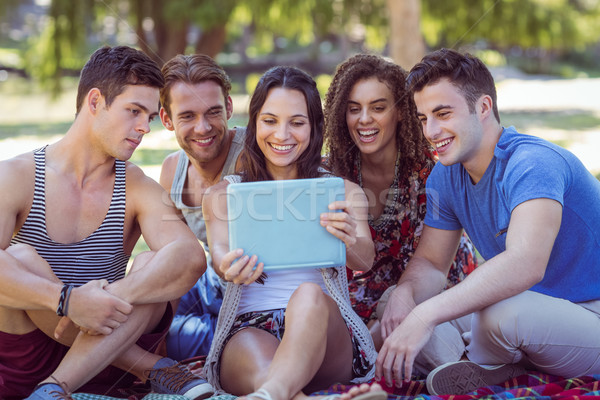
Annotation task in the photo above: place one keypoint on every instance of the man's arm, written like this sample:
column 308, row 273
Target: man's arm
column 19, row 287
column 178, row 259
column 532, row 231
column 425, row 275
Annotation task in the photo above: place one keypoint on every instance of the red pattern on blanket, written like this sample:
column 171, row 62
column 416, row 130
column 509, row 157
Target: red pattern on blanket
column 534, row 385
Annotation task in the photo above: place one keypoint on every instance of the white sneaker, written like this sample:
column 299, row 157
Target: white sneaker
column 462, row 377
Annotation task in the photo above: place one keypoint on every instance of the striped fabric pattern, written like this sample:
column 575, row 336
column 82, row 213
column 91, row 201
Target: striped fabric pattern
column 99, row 256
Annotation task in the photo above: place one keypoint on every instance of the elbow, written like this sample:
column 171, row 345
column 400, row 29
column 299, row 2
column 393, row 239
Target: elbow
column 534, row 273
column 537, row 275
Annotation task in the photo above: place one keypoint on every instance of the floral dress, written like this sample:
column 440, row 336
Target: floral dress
column 396, row 235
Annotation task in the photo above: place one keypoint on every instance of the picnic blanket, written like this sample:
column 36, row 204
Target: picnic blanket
column 534, row 385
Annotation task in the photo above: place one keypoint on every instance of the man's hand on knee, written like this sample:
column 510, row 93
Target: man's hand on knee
column 96, row 311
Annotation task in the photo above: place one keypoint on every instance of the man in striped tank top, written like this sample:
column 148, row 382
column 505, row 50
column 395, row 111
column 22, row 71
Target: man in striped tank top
column 70, row 318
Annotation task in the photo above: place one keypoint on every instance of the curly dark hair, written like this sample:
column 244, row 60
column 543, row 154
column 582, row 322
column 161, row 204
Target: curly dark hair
column 253, row 163
column 342, row 152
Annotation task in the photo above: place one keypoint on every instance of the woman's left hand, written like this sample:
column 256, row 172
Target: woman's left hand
column 341, row 224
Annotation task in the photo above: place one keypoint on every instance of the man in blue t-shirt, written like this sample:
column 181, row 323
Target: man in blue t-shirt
column 532, row 210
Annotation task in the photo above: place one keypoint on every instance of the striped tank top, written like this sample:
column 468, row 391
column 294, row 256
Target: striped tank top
column 99, row 256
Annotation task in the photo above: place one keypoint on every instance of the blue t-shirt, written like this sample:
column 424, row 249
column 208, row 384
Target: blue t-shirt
column 525, row 168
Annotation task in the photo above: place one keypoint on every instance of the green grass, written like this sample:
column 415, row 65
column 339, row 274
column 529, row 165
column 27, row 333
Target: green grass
column 566, row 120
column 147, row 157
column 42, row 130
column 238, row 120
column 140, row 247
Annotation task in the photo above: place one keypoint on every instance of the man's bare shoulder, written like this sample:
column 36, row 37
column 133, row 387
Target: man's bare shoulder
column 170, row 161
column 167, row 171
column 144, row 195
column 17, row 183
column 136, row 177
column 18, row 170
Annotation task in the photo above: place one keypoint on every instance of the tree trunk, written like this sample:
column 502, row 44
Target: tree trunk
column 212, row 41
column 170, row 35
column 140, row 13
column 407, row 46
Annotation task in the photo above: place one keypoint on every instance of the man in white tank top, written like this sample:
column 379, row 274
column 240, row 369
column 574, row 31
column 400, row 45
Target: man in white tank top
column 196, row 106
column 60, row 331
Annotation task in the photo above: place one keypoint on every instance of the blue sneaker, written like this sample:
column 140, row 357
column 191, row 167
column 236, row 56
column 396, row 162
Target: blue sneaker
column 170, row 377
column 51, row 391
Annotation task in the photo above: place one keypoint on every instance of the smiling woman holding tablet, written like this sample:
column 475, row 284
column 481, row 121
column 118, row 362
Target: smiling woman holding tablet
column 324, row 342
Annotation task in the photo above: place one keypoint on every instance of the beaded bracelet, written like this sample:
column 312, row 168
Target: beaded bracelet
column 63, row 302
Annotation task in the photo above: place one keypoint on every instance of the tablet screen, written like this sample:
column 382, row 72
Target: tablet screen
column 279, row 222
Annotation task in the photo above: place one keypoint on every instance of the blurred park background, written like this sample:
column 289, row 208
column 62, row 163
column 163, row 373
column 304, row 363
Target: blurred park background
column 545, row 54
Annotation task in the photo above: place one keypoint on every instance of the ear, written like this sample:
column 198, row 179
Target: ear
column 229, row 107
column 166, row 120
column 485, row 106
column 94, row 100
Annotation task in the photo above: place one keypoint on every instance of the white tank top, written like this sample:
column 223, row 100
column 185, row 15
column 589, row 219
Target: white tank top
column 277, row 289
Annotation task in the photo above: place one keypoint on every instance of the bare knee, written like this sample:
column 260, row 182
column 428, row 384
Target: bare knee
column 308, row 296
column 30, row 260
column 149, row 317
column 23, row 252
column 246, row 359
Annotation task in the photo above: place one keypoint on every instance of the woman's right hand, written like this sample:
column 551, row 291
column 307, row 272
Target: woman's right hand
column 239, row 268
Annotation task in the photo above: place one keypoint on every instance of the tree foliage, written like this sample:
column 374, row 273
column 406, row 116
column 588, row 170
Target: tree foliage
column 251, row 28
column 61, row 44
column 547, row 24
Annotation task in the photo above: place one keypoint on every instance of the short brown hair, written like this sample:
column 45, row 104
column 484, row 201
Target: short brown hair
column 465, row 71
column 195, row 68
column 111, row 69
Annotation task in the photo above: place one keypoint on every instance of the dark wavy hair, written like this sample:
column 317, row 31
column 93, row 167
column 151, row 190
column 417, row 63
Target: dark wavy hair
column 465, row 71
column 253, row 163
column 192, row 69
column 111, row 69
column 342, row 152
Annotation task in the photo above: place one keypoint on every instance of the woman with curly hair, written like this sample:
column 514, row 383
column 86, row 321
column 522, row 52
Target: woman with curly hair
column 373, row 138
